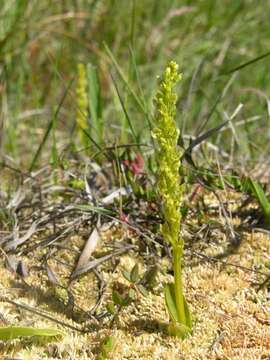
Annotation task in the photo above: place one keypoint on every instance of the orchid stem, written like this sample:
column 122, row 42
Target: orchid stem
column 178, row 286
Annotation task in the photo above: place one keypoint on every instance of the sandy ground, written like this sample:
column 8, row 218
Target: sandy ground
column 231, row 319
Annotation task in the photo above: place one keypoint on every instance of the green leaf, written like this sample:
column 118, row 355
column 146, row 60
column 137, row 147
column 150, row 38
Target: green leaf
column 117, row 298
column 134, row 274
column 110, row 308
column 259, row 193
column 132, row 294
column 13, row 332
column 142, row 290
column 150, row 278
column 176, row 328
column 126, row 275
column 170, row 302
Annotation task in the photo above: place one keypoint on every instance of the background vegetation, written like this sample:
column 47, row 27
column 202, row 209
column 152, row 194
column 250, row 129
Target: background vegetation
column 41, row 43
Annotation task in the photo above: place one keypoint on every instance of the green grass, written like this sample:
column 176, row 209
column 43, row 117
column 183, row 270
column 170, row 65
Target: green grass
column 42, row 42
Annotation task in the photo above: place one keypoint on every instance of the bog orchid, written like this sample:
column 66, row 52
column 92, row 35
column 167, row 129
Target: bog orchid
column 170, row 188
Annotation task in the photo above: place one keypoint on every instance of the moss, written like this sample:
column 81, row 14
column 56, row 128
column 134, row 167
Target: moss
column 231, row 318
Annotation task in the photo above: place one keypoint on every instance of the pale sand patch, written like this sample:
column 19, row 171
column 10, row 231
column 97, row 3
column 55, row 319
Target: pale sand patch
column 231, row 319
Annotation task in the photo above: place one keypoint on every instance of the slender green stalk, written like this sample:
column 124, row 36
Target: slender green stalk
column 178, row 285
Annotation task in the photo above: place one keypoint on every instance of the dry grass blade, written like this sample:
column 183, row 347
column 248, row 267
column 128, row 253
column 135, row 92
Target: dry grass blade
column 96, row 262
column 17, row 199
column 20, row 240
column 88, row 249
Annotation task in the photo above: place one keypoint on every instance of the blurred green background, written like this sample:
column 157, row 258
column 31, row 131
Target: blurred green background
column 41, row 43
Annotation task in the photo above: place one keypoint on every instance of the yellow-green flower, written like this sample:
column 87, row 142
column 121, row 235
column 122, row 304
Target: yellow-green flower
column 166, row 135
column 82, row 103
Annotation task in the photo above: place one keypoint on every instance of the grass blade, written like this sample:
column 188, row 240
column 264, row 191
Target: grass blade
column 124, row 79
column 49, row 128
column 124, row 110
column 250, row 62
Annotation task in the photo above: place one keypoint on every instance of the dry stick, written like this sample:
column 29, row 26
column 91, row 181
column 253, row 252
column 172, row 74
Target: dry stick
column 101, row 291
column 213, row 259
column 227, row 220
column 129, row 225
column 42, row 314
column 110, row 148
column 228, row 223
column 209, row 258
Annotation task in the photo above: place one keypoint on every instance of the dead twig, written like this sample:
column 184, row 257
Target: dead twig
column 42, row 314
